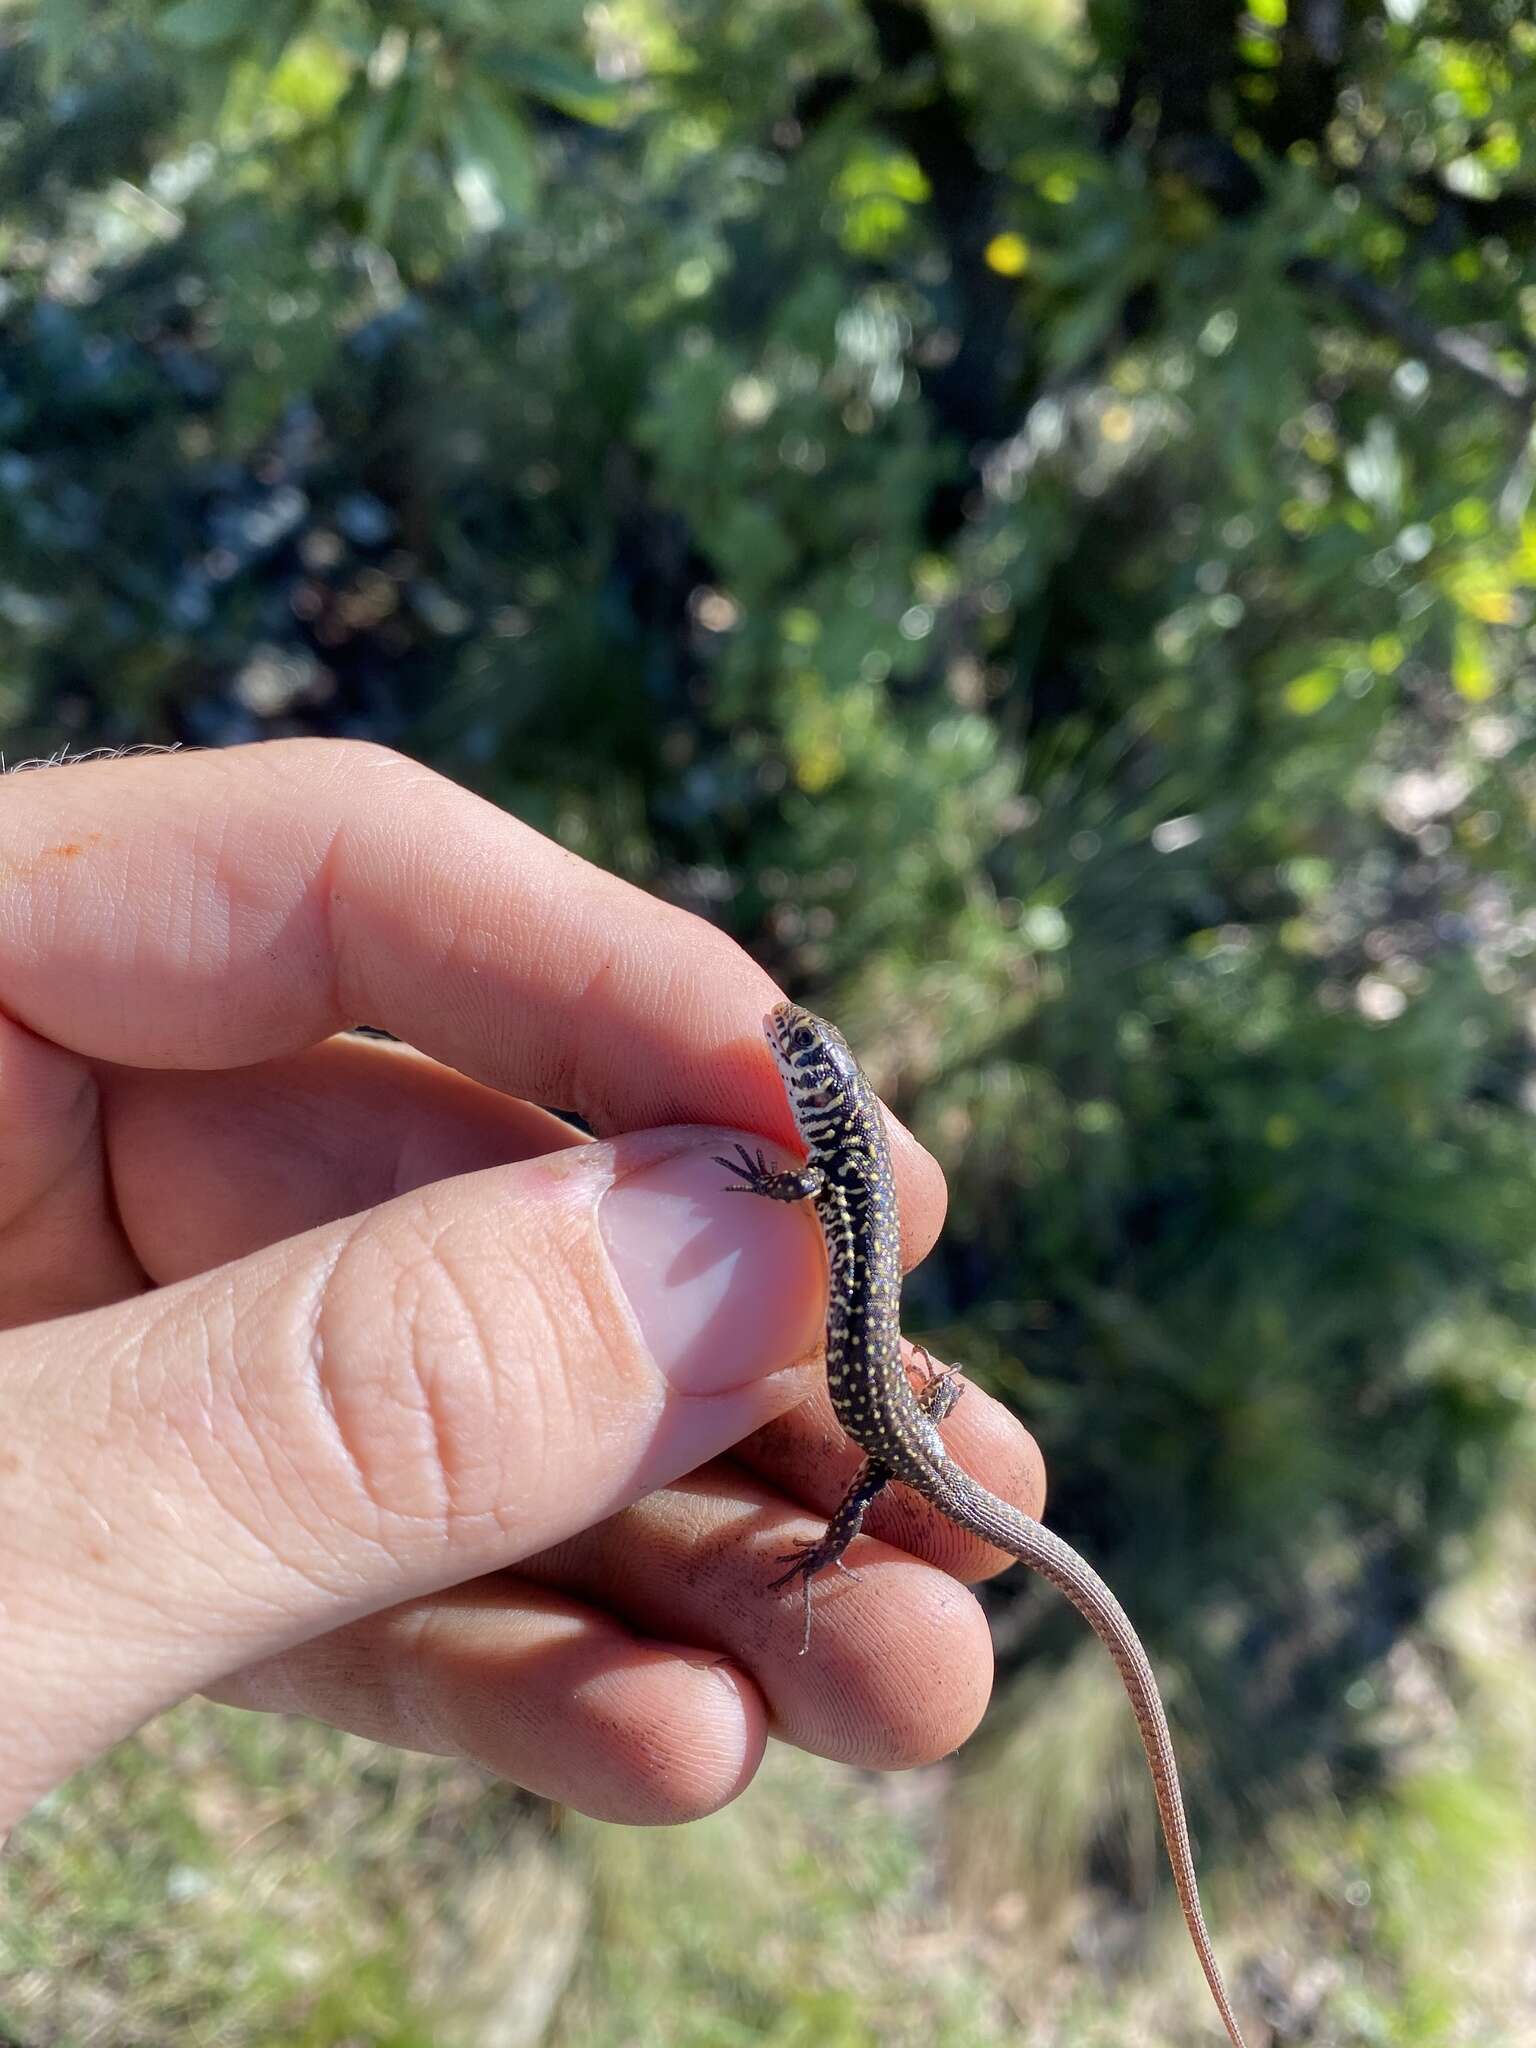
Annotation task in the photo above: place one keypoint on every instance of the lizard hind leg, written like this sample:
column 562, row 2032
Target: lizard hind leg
column 825, row 1552
column 809, row 1557
column 942, row 1385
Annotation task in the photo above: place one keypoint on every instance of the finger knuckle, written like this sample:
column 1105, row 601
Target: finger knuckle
column 406, row 1375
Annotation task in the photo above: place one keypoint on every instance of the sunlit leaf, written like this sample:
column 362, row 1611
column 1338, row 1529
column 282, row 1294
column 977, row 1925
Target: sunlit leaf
column 492, row 137
column 1008, row 255
column 872, row 172
column 1386, row 652
column 873, row 226
column 1496, row 607
column 1307, row 693
column 311, row 78
column 1471, row 670
column 1375, row 469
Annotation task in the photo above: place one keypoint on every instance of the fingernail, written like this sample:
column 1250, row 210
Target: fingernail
column 726, row 1287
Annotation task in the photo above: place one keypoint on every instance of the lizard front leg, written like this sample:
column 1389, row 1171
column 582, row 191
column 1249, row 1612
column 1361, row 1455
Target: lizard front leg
column 794, row 1184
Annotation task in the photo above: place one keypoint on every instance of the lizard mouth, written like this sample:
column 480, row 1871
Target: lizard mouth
column 779, row 1027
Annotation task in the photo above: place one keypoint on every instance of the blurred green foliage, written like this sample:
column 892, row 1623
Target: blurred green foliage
column 1024, row 515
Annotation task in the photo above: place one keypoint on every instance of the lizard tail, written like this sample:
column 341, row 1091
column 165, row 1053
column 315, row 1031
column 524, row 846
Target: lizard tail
column 1035, row 1546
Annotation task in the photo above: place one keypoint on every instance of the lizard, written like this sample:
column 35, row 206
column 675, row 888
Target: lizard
column 848, row 1179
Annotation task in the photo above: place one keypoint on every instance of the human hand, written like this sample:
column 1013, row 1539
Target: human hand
column 338, row 1378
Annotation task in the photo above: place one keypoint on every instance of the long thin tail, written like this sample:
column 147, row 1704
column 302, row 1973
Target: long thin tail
column 1035, row 1546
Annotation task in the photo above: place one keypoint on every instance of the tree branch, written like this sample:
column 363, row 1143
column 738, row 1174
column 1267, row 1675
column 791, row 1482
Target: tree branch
column 974, row 393
column 1452, row 347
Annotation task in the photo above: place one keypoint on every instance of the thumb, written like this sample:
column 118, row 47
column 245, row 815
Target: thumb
column 215, row 1471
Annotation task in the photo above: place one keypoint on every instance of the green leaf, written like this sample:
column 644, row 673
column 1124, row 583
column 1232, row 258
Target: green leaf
column 1310, row 692
column 208, row 24
column 312, row 78
column 370, row 134
column 1076, row 336
column 570, row 87
column 489, row 137
column 1471, row 670
column 382, row 147
column 278, row 31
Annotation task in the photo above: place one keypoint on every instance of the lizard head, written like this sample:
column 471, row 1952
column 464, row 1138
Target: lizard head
column 818, row 1071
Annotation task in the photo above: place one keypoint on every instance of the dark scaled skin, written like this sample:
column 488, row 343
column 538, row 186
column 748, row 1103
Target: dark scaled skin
column 847, row 1175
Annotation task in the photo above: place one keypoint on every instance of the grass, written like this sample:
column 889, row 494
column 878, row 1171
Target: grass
column 234, row 1881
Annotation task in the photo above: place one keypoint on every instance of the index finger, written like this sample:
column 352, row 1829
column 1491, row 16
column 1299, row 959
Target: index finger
column 210, row 910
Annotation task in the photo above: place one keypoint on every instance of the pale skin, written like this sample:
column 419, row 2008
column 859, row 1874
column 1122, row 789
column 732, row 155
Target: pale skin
column 337, row 1378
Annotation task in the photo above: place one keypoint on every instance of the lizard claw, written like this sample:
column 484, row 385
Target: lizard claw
column 753, row 1169
column 808, row 1557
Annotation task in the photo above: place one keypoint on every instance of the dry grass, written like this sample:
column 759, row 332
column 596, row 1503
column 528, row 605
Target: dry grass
column 232, row 1881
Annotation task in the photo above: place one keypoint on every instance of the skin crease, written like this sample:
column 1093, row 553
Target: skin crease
column 327, row 1386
